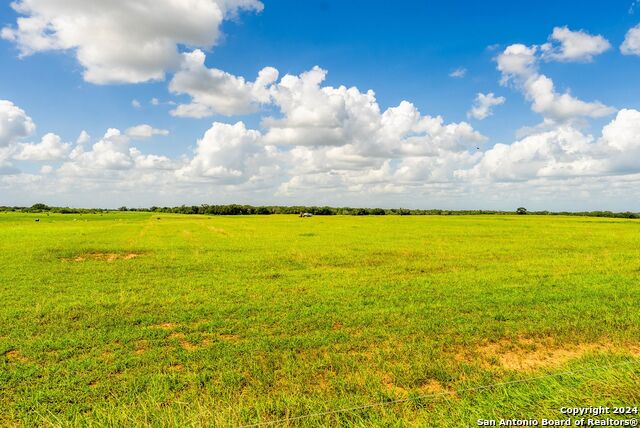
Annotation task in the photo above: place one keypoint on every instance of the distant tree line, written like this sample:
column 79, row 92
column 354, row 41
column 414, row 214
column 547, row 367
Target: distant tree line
column 610, row 214
column 234, row 209
column 42, row 208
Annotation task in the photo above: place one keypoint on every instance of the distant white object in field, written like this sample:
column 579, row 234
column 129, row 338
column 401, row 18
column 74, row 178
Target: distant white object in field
column 306, row 215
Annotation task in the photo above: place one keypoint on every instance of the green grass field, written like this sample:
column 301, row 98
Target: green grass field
column 133, row 319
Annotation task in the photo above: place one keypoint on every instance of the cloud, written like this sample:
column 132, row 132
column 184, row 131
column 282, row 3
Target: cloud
column 623, row 133
column 83, row 138
column 214, row 91
column 570, row 46
column 631, row 44
column 46, row 169
column 226, row 154
column 14, row 124
column 458, row 73
column 322, row 116
column 565, row 152
column 136, row 104
column 109, row 153
column 519, row 65
column 337, row 137
column 232, row 160
column 151, row 162
column 316, row 115
column 51, row 148
column 483, row 105
column 109, row 156
column 527, row 158
column 120, row 41
column 546, row 101
column 333, row 143
column 517, row 61
column 145, row 131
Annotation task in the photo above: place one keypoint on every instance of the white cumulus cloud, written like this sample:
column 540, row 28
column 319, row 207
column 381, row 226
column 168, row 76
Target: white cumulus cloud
column 145, row 131
column 563, row 152
column 14, row 124
column 483, row 105
column 110, row 155
column 517, row 61
column 567, row 46
column 226, row 154
column 631, row 44
column 458, row 73
column 215, row 91
column 560, row 106
column 121, row 41
column 519, row 65
column 319, row 116
column 51, row 148
column 83, row 138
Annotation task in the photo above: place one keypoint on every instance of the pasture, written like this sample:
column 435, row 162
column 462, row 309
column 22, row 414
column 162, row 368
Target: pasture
column 139, row 319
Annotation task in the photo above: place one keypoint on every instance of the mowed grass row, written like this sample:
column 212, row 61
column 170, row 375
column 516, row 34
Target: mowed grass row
column 137, row 319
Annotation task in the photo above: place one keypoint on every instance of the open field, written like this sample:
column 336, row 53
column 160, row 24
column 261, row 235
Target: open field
column 145, row 320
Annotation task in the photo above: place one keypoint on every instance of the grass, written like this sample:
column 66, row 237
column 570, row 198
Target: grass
column 133, row 319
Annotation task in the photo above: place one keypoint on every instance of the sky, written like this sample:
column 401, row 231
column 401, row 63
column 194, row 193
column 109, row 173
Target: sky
column 423, row 104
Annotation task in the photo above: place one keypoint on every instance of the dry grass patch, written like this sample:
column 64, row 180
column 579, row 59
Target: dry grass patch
column 106, row 356
column 187, row 345
column 432, row 386
column 102, row 257
column 218, row 230
column 229, row 337
column 15, row 356
column 391, row 387
column 165, row 326
column 526, row 354
column 141, row 347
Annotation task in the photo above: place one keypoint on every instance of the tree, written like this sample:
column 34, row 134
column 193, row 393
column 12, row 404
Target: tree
column 521, row 211
column 40, row 207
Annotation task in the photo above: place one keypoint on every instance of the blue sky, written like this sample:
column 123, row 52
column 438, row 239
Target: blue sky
column 401, row 52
